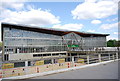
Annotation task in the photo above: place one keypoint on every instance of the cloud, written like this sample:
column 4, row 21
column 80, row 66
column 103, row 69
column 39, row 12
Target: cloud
column 116, row 33
column 72, row 27
column 91, row 31
column 31, row 17
column 115, row 19
column 96, row 22
column 13, row 4
column 109, row 26
column 16, row 12
column 111, row 38
column 95, row 9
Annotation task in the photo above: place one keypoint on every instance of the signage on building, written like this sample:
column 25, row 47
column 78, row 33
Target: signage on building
column 80, row 60
column 73, row 45
column 8, row 65
column 39, row 63
column 61, row 60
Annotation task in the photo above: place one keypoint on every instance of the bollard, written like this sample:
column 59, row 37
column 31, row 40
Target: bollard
column 68, row 65
column 75, row 65
column 0, row 74
column 37, row 70
column 13, row 71
column 46, row 66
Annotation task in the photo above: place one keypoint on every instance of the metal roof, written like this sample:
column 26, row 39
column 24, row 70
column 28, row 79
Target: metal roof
column 48, row 30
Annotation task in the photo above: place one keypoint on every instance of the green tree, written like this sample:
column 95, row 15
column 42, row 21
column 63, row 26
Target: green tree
column 0, row 44
column 118, row 43
column 113, row 43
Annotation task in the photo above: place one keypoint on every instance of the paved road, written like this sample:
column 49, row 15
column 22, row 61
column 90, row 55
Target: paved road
column 103, row 71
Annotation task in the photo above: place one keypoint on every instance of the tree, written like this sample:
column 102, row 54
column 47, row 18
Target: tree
column 113, row 43
column 0, row 44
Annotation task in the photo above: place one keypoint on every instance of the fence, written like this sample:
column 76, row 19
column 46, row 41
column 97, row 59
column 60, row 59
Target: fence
column 62, row 63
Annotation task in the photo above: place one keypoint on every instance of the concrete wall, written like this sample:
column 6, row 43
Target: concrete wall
column 20, row 56
column 24, row 56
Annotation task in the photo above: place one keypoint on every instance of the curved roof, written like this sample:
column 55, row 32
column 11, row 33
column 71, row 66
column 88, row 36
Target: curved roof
column 49, row 31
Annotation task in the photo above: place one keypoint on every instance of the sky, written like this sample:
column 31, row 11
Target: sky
column 95, row 16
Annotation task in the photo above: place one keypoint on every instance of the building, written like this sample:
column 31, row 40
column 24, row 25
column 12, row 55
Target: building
column 26, row 44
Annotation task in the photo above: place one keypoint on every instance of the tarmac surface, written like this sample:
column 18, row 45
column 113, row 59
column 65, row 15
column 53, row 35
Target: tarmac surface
column 103, row 71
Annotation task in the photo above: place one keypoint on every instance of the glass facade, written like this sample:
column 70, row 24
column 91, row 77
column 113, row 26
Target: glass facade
column 93, row 42
column 22, row 41
column 18, row 41
column 73, row 41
